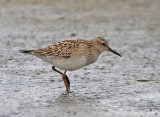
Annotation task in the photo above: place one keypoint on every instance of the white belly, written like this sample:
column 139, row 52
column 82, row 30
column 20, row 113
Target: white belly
column 69, row 64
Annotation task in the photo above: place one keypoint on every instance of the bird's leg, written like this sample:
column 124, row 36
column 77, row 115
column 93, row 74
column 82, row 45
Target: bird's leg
column 54, row 69
column 65, row 78
column 66, row 81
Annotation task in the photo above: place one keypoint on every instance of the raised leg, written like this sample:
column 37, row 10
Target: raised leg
column 65, row 78
column 54, row 69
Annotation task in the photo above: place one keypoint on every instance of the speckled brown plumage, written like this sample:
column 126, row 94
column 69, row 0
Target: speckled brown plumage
column 64, row 49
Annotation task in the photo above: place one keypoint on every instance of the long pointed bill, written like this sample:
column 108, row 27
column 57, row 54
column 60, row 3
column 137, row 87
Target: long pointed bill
column 111, row 50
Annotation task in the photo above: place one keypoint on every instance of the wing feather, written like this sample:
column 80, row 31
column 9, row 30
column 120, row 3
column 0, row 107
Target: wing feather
column 61, row 49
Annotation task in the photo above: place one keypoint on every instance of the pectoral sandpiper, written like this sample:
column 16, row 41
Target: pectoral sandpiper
column 70, row 55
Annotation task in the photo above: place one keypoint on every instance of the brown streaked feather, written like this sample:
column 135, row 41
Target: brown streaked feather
column 63, row 49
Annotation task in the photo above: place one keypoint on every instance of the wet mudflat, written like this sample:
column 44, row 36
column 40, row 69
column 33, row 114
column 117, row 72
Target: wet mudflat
column 113, row 86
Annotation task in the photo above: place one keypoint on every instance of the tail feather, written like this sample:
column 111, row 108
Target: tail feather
column 26, row 51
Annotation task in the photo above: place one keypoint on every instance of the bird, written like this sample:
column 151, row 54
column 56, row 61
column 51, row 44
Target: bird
column 70, row 55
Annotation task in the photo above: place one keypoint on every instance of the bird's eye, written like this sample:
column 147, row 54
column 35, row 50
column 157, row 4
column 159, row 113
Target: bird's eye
column 103, row 44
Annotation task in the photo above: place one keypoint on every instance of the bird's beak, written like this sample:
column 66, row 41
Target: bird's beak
column 111, row 50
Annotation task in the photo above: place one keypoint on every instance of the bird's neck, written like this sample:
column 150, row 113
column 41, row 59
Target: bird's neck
column 92, row 56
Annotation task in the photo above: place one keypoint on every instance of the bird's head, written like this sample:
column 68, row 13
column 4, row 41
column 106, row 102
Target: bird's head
column 103, row 45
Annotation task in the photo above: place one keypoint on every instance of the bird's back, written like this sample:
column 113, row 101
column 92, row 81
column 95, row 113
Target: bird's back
column 63, row 49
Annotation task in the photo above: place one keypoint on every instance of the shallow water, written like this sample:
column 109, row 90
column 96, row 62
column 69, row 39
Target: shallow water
column 110, row 87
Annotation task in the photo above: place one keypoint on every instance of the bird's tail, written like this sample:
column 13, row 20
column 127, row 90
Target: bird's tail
column 26, row 51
